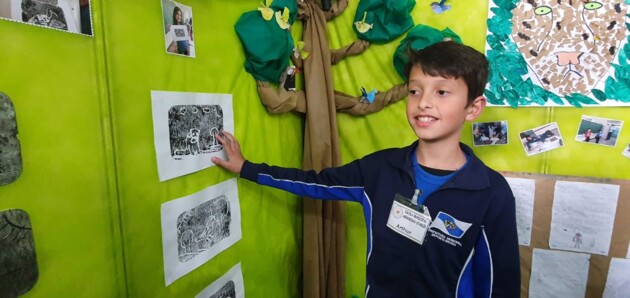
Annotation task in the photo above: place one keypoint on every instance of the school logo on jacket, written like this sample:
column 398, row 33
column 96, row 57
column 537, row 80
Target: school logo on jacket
column 449, row 225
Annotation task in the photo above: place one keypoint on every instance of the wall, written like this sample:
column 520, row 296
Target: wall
column 57, row 83
column 90, row 181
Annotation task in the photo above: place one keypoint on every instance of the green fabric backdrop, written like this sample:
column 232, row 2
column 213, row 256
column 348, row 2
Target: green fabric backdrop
column 90, row 182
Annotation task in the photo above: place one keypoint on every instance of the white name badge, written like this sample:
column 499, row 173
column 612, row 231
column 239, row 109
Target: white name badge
column 408, row 222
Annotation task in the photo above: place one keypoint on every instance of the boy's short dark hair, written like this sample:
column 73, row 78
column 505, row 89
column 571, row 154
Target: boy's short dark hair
column 450, row 59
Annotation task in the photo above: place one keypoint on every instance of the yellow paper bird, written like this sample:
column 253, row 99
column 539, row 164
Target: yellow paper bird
column 299, row 50
column 283, row 19
column 265, row 10
column 362, row 26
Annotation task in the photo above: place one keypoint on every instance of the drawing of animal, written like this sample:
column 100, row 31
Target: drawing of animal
column 569, row 45
column 192, row 141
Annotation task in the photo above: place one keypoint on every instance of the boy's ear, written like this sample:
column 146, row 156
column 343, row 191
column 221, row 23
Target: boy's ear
column 475, row 108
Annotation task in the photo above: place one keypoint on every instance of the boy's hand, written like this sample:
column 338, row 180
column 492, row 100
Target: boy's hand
column 235, row 159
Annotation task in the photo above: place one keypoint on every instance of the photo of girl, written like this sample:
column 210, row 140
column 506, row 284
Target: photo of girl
column 178, row 28
column 598, row 131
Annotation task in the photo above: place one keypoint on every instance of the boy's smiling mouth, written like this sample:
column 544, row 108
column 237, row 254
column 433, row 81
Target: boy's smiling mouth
column 424, row 121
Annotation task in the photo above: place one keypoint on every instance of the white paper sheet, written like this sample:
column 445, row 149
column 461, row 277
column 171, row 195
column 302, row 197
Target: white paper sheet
column 197, row 227
column 618, row 280
column 523, row 190
column 582, row 216
column 229, row 285
column 628, row 252
column 558, row 274
column 184, row 125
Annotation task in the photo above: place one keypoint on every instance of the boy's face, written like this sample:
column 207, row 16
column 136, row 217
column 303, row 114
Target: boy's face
column 437, row 107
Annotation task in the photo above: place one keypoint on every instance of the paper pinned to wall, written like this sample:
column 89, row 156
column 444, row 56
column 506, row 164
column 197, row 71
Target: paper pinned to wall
column 199, row 226
column 524, row 190
column 229, row 285
column 617, row 281
column 184, row 128
column 582, row 216
column 558, row 274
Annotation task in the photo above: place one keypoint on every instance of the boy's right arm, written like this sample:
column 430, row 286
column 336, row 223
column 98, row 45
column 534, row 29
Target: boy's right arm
column 342, row 183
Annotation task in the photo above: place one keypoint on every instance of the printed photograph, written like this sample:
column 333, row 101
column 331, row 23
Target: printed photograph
column 599, row 131
column 541, row 139
column 489, row 133
column 626, row 153
column 178, row 28
column 65, row 15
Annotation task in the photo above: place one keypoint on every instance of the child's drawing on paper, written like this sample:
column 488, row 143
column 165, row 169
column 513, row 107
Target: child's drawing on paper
column 550, row 52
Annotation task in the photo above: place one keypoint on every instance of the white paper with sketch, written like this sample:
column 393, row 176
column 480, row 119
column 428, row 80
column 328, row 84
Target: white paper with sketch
column 558, row 274
column 229, row 285
column 199, row 226
column 618, row 280
column 523, row 190
column 582, row 216
column 184, row 128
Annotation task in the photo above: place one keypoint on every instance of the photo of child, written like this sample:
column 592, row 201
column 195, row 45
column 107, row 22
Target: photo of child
column 541, row 139
column 178, row 28
column 489, row 133
column 598, row 131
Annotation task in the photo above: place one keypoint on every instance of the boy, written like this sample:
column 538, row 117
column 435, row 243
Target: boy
column 440, row 223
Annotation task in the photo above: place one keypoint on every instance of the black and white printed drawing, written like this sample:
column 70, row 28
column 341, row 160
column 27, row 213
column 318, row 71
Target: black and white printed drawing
column 66, row 15
column 230, row 285
column 18, row 264
column 227, row 291
column 44, row 13
column 185, row 125
column 10, row 153
column 192, row 129
column 199, row 226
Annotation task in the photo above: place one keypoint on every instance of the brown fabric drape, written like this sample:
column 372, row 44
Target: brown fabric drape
column 324, row 224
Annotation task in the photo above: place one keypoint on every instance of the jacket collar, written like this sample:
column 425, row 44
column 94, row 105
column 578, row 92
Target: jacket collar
column 474, row 176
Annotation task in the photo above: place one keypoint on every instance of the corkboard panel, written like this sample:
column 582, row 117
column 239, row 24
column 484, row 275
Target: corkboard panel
column 541, row 227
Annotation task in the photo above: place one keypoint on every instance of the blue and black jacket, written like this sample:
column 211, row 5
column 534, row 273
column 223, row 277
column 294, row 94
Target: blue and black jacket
column 470, row 249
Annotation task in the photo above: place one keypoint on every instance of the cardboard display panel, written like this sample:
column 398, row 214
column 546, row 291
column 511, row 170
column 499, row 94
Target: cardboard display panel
column 543, row 202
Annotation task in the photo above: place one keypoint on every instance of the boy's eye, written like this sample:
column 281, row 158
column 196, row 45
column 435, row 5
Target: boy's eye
column 442, row 92
column 414, row 92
